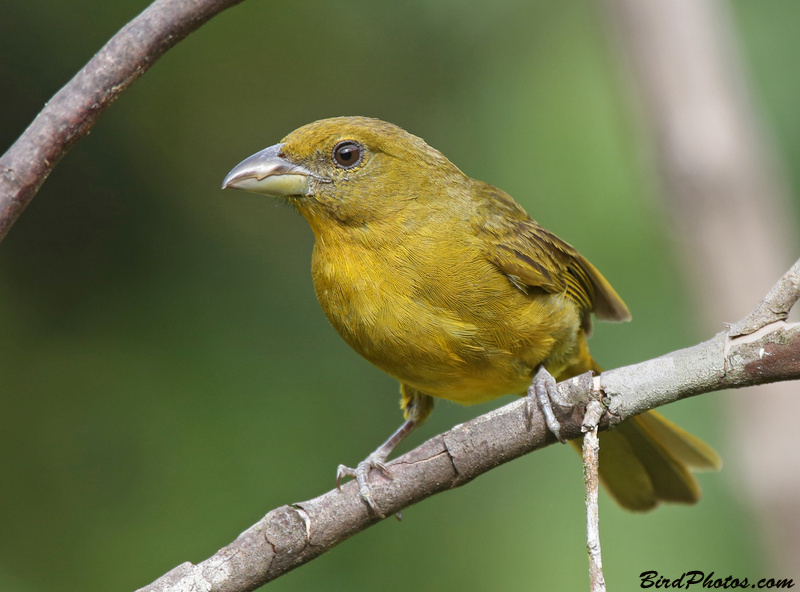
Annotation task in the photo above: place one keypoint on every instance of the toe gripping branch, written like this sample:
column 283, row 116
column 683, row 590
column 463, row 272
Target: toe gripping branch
column 563, row 405
column 376, row 460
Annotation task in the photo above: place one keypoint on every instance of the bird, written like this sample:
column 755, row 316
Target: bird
column 447, row 284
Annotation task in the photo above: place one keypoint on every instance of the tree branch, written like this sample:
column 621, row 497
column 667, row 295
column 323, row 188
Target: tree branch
column 775, row 307
column 72, row 112
column 591, row 479
column 294, row 534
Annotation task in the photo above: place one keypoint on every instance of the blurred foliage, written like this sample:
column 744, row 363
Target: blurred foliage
column 167, row 376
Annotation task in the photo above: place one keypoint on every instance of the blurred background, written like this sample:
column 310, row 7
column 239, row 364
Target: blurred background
column 166, row 375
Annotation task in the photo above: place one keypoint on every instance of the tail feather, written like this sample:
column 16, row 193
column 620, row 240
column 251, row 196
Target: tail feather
column 641, row 466
column 687, row 448
column 646, row 459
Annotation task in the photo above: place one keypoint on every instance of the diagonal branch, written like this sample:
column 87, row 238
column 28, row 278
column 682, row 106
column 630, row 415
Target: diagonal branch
column 775, row 306
column 72, row 112
column 292, row 535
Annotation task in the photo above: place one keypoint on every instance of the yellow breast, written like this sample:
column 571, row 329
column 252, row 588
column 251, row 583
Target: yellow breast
column 439, row 317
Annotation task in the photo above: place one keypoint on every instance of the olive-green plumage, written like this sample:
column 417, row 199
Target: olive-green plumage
column 447, row 284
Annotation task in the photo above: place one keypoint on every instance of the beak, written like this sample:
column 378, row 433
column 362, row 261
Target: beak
column 270, row 173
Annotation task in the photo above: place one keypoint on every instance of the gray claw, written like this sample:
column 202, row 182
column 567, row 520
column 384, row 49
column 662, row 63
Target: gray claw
column 543, row 390
column 361, row 475
column 341, row 473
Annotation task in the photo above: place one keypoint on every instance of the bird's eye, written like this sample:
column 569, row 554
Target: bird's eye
column 347, row 154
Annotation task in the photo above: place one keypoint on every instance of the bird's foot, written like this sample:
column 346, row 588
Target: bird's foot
column 376, row 460
column 543, row 393
column 361, row 475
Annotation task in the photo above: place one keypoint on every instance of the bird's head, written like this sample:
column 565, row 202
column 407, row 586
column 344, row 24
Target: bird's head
column 348, row 170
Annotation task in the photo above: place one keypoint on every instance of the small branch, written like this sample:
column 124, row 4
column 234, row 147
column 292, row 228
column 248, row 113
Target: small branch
column 72, row 112
column 775, row 306
column 591, row 478
column 292, row 535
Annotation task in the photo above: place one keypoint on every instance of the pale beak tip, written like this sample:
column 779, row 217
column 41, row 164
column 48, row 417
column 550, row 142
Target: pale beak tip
column 237, row 177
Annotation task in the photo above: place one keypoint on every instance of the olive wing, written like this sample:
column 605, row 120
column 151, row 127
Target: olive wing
column 534, row 258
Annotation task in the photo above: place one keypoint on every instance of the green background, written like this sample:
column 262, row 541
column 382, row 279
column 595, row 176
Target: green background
column 166, row 375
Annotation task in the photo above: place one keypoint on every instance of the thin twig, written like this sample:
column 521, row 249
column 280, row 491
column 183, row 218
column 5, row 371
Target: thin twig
column 72, row 112
column 591, row 479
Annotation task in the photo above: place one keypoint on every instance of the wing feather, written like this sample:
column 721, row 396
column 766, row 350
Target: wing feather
column 536, row 258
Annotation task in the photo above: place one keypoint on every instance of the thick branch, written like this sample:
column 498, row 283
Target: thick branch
column 72, row 112
column 291, row 535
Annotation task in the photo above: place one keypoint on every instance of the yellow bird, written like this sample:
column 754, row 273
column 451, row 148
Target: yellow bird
column 445, row 283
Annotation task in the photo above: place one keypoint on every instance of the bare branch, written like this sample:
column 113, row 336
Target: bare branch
column 775, row 306
column 72, row 112
column 591, row 478
column 291, row 535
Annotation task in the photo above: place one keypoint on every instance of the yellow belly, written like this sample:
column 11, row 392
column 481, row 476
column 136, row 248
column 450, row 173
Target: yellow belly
column 479, row 339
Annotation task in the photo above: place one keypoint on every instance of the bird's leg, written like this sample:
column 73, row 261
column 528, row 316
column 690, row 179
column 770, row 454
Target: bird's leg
column 543, row 392
column 417, row 407
column 376, row 460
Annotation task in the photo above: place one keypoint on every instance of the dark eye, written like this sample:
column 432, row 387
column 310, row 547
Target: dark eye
column 347, row 154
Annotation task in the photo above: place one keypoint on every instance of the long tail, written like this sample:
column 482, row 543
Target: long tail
column 646, row 459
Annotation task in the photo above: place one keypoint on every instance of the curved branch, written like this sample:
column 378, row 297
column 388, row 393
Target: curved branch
column 294, row 534
column 72, row 112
